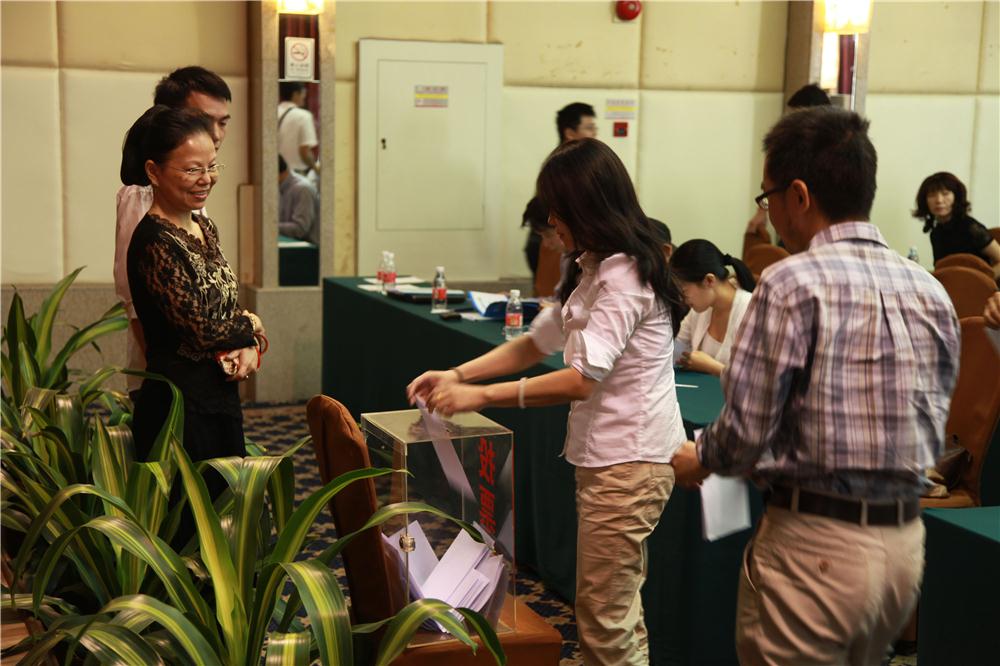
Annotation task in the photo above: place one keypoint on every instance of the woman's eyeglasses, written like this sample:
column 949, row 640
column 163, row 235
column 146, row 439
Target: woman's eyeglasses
column 193, row 173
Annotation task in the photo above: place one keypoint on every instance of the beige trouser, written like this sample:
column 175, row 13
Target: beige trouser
column 617, row 508
column 815, row 590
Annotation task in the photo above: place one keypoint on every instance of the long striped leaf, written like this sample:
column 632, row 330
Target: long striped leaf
column 290, row 543
column 17, row 333
column 112, row 644
column 42, row 520
column 55, row 372
column 250, row 490
column 486, row 633
column 230, row 610
column 90, row 388
column 288, row 649
column 45, row 319
column 167, row 565
column 141, row 607
column 108, row 465
column 407, row 621
column 327, row 609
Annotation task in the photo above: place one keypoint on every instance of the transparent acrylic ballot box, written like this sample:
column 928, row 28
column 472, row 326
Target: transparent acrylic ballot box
column 464, row 466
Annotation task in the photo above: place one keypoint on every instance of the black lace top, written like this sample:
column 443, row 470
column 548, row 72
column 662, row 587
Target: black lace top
column 185, row 296
column 961, row 235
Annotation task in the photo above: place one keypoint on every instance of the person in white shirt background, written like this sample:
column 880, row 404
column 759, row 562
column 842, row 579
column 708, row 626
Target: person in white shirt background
column 717, row 305
column 297, row 140
column 615, row 328
column 196, row 88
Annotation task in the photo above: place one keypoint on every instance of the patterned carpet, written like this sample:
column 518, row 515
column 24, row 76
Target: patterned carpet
column 278, row 427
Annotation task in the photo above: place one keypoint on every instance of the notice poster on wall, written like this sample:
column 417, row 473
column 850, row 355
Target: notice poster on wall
column 300, row 56
column 620, row 109
column 430, row 96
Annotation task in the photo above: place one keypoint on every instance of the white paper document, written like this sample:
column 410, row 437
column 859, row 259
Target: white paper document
column 446, row 455
column 725, row 505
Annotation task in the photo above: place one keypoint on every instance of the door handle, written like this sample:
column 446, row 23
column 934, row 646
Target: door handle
column 383, row 143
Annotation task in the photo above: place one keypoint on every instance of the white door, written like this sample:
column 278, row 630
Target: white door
column 429, row 157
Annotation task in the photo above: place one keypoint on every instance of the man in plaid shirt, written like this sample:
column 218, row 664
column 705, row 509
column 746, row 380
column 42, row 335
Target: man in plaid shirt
column 837, row 394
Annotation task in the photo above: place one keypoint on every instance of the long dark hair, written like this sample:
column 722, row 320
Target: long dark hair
column 154, row 135
column 586, row 186
column 942, row 180
column 696, row 258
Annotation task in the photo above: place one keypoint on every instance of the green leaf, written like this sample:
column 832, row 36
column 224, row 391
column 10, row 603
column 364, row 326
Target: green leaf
column 46, row 316
column 80, row 339
column 288, row 649
column 90, row 388
column 249, row 494
column 327, row 609
column 113, row 644
column 407, row 622
column 486, row 633
column 141, row 607
column 230, row 610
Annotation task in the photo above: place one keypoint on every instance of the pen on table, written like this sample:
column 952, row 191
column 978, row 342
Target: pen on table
column 686, row 385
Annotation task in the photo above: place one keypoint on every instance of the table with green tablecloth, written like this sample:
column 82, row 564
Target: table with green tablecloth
column 959, row 621
column 373, row 346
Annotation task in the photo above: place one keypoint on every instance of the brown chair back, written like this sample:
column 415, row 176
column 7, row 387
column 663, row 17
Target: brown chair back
column 759, row 257
column 966, row 260
column 547, row 273
column 373, row 575
column 975, row 404
column 968, row 288
column 753, row 239
column 995, row 232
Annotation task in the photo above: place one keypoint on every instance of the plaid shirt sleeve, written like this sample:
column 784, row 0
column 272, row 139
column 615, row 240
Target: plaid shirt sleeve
column 769, row 356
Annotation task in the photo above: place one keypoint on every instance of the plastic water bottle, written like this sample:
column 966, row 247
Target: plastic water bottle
column 514, row 319
column 380, row 274
column 912, row 255
column 439, row 292
column 389, row 273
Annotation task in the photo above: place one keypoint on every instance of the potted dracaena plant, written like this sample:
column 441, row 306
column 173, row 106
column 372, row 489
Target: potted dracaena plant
column 88, row 531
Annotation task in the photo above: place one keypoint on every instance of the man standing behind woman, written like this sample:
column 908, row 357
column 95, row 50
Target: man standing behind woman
column 192, row 87
column 837, row 394
column 615, row 328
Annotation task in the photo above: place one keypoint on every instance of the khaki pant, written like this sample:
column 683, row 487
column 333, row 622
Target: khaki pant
column 617, row 509
column 816, row 590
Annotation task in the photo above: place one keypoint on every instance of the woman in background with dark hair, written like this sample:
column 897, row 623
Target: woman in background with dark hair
column 717, row 306
column 615, row 328
column 183, row 290
column 943, row 205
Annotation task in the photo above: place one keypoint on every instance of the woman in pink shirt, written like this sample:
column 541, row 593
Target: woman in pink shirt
column 615, row 327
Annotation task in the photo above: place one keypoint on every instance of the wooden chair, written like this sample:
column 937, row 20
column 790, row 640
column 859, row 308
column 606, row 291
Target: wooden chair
column 374, row 579
column 969, row 289
column 995, row 232
column 547, row 273
column 975, row 411
column 759, row 257
column 967, row 260
column 753, row 239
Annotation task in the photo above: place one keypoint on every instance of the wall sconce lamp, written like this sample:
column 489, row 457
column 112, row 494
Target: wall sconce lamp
column 847, row 17
column 842, row 23
column 300, row 6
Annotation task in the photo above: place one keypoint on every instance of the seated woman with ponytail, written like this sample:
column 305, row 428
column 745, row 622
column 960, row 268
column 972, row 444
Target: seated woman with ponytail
column 717, row 305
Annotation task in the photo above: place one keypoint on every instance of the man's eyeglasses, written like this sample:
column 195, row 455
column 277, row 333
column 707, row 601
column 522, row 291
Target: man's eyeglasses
column 194, row 173
column 761, row 199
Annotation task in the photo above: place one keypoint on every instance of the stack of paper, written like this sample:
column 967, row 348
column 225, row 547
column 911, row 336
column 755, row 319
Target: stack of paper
column 494, row 306
column 469, row 575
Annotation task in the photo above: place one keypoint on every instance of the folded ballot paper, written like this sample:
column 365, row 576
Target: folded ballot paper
column 494, row 306
column 725, row 505
column 469, row 575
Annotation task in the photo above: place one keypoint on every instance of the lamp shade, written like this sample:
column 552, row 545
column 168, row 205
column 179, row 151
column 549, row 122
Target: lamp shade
column 300, row 6
column 846, row 17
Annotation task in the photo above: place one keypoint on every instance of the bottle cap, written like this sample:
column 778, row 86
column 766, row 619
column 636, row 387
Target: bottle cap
column 515, row 293
column 439, row 269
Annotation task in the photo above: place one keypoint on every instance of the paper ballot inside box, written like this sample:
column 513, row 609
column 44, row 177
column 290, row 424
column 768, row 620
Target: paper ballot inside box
column 469, row 575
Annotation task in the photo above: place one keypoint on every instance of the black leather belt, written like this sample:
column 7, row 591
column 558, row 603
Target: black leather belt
column 849, row 509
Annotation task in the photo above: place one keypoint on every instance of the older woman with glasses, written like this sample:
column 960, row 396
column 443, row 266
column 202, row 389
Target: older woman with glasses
column 183, row 290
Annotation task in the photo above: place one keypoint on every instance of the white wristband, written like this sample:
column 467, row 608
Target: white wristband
column 520, row 392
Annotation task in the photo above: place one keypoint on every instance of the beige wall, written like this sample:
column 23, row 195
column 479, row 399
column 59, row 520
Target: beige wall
column 724, row 59
column 75, row 76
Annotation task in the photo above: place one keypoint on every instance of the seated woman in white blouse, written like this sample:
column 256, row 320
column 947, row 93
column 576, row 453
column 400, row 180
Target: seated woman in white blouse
column 717, row 305
column 615, row 328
